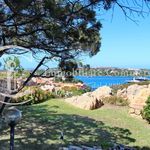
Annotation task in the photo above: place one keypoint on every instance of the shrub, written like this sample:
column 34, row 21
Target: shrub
column 70, row 88
column 37, row 96
column 114, row 100
column 67, row 80
column 76, row 90
column 61, row 94
column 146, row 111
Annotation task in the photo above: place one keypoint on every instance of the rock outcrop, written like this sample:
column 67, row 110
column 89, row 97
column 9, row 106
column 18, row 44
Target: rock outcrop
column 85, row 102
column 102, row 92
column 136, row 95
column 90, row 100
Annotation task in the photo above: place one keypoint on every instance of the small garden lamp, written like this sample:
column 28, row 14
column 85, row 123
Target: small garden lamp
column 12, row 117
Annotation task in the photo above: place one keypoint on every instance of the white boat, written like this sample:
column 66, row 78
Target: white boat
column 138, row 79
column 142, row 79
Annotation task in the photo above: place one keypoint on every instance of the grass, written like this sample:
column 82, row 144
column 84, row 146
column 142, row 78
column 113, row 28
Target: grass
column 42, row 124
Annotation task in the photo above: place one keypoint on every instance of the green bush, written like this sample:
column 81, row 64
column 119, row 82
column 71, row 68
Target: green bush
column 60, row 94
column 37, row 96
column 146, row 111
column 68, row 93
column 76, row 90
column 68, row 80
column 114, row 100
column 70, row 88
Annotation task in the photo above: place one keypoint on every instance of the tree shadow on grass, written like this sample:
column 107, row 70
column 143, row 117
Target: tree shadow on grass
column 40, row 130
column 143, row 148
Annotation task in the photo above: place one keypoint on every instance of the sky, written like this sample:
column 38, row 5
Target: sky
column 125, row 44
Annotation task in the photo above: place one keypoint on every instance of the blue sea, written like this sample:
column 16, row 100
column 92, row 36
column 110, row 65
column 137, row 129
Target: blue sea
column 98, row 81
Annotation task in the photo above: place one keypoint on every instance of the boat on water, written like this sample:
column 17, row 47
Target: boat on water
column 138, row 79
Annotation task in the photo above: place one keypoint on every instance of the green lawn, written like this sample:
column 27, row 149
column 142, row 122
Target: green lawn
column 41, row 126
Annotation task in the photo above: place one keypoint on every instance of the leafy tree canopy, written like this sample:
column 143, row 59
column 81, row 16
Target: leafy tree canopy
column 69, row 65
column 57, row 27
column 61, row 28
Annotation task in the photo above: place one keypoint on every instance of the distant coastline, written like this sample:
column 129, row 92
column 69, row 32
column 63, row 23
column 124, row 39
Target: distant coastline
column 94, row 72
column 98, row 81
